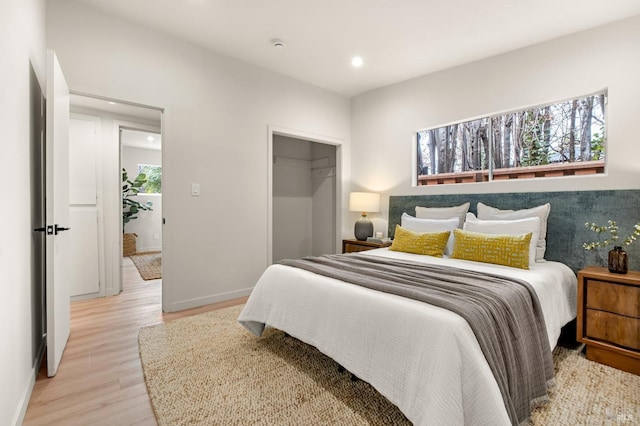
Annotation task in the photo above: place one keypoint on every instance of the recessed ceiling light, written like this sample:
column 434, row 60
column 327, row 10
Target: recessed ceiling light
column 150, row 138
column 277, row 43
column 357, row 61
column 111, row 103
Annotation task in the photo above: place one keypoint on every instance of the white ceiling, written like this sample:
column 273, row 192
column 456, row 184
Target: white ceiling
column 141, row 139
column 398, row 40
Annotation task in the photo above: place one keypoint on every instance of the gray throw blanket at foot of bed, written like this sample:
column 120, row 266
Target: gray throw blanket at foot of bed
column 504, row 314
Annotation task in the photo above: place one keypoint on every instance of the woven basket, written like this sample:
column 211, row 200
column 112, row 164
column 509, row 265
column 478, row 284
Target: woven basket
column 129, row 244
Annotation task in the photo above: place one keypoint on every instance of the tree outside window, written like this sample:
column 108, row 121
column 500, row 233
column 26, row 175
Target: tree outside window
column 154, row 179
column 559, row 139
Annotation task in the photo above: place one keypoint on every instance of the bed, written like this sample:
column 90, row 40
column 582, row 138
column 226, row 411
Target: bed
column 423, row 358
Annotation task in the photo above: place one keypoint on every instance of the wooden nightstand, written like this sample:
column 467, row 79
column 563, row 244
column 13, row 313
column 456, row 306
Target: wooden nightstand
column 352, row 246
column 609, row 317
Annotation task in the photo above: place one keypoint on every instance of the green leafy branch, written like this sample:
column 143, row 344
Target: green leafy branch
column 130, row 206
column 614, row 237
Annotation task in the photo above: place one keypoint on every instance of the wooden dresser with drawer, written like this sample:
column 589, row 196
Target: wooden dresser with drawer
column 352, row 246
column 608, row 317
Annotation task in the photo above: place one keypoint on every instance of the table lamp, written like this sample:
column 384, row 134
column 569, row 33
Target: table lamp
column 364, row 202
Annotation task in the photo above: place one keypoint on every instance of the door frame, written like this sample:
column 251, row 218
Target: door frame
column 37, row 174
column 298, row 134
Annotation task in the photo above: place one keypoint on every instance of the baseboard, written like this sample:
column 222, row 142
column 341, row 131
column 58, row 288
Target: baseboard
column 148, row 249
column 85, row 296
column 201, row 301
column 23, row 404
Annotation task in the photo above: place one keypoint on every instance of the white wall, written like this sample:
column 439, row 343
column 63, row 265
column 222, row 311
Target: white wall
column 215, row 133
column 148, row 225
column 22, row 40
column 132, row 156
column 385, row 120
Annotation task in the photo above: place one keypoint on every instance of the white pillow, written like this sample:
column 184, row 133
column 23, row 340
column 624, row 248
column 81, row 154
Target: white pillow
column 431, row 225
column 542, row 212
column 507, row 227
column 443, row 212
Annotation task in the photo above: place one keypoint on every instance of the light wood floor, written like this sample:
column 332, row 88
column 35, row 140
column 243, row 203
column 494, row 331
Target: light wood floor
column 99, row 381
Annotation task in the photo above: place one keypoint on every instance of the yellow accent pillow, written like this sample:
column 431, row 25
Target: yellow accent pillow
column 508, row 250
column 429, row 243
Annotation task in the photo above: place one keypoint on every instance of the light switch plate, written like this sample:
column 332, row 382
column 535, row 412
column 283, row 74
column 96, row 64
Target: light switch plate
column 195, row 189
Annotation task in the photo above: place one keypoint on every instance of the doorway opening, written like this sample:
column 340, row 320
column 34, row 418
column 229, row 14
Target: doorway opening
column 98, row 157
column 141, row 161
column 304, row 195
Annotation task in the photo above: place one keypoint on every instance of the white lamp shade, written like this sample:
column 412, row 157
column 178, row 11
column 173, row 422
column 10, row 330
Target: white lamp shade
column 364, row 202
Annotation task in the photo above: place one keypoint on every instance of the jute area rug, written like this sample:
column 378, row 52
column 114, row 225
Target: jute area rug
column 207, row 370
column 149, row 264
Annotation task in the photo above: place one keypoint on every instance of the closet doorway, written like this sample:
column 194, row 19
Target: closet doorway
column 304, row 197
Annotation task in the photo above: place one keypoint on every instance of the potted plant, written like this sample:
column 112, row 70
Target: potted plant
column 130, row 208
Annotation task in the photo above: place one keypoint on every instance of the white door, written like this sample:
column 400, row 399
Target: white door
column 57, row 212
column 83, row 208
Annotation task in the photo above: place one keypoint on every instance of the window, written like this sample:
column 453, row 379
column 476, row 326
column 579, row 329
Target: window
column 559, row 139
column 154, row 179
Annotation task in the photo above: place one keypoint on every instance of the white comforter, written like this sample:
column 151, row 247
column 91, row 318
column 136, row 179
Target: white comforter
column 424, row 359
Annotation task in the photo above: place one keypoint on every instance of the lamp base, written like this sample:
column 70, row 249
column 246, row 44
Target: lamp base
column 363, row 229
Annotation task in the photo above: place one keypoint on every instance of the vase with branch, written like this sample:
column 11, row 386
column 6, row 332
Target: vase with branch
column 618, row 261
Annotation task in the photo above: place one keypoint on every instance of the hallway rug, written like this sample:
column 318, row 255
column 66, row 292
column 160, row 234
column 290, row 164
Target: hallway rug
column 149, row 264
column 208, row 370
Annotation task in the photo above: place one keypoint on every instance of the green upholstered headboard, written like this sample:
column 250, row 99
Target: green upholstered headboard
column 569, row 211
